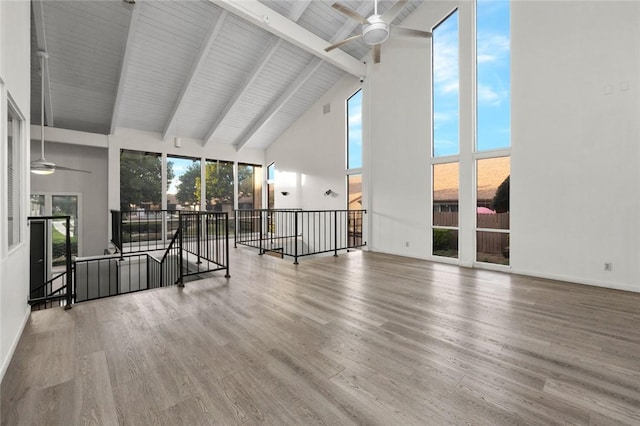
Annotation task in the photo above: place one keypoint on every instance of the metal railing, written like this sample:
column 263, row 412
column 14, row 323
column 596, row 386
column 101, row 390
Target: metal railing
column 299, row 233
column 143, row 230
column 58, row 290
column 200, row 244
column 204, row 241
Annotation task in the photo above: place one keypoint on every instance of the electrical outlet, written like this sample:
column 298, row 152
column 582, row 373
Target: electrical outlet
column 406, row 244
column 608, row 266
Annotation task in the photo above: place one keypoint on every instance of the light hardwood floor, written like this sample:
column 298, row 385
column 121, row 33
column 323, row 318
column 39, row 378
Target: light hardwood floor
column 361, row 339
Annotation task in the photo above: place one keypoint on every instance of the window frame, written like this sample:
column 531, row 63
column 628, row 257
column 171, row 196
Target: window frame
column 433, row 155
column 18, row 155
column 435, row 160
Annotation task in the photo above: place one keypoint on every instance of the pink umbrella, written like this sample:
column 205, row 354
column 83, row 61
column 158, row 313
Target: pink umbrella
column 485, row 210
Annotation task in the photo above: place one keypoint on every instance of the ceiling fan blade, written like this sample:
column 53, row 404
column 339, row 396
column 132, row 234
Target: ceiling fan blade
column 411, row 32
column 342, row 43
column 393, row 11
column 349, row 12
column 69, row 169
column 376, row 53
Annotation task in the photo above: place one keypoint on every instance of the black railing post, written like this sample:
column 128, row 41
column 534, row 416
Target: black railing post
column 68, row 263
column 259, row 229
column 148, row 261
column 198, row 230
column 335, row 233
column 180, row 280
column 235, row 233
column 295, row 238
column 226, row 237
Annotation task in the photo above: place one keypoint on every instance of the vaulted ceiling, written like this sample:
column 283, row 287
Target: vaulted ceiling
column 236, row 72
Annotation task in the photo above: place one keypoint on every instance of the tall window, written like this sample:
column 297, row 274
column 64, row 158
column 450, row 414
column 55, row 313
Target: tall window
column 354, row 192
column 446, row 90
column 271, row 185
column 14, row 202
column 492, row 210
column 354, row 151
column 493, row 132
column 446, row 145
column 354, row 131
column 184, row 186
column 445, row 209
column 141, row 180
column 493, row 81
column 219, row 186
column 249, row 186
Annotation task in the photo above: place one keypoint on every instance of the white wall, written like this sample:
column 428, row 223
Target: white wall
column 575, row 133
column 92, row 211
column 14, row 264
column 576, row 136
column 310, row 156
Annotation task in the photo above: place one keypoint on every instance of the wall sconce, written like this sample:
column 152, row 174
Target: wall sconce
column 285, row 193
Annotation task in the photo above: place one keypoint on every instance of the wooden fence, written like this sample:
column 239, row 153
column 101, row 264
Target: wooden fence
column 486, row 241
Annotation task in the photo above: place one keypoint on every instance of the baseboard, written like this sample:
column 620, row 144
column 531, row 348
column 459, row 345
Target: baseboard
column 568, row 279
column 14, row 344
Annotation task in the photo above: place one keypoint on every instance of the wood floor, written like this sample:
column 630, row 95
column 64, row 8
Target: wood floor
column 360, row 339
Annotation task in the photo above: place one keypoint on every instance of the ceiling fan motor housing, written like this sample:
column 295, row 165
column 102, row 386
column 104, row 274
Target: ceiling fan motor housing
column 376, row 31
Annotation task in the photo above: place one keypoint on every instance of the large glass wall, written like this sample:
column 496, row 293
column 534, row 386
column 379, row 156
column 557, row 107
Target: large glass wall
column 219, row 186
column 249, row 186
column 141, row 180
column 484, row 180
column 354, row 151
column 184, row 186
column 446, row 87
column 493, row 132
column 446, row 143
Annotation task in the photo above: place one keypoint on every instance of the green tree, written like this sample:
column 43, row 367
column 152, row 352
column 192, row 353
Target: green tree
column 189, row 186
column 140, row 178
column 500, row 201
column 219, row 182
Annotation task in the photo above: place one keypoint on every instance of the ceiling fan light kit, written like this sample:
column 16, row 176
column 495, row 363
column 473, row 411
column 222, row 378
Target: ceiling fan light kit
column 376, row 31
column 376, row 28
column 42, row 167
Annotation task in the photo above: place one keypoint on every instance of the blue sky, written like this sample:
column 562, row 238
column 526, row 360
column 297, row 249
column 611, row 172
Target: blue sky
column 180, row 165
column 354, row 106
column 493, row 80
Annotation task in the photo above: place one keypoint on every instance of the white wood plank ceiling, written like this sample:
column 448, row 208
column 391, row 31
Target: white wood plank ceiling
column 205, row 69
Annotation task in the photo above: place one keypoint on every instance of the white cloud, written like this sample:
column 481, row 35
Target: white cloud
column 492, row 47
column 355, row 117
column 487, row 95
column 441, row 117
column 445, row 62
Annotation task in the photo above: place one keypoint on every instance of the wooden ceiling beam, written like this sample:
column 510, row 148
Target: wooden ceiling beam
column 266, row 18
column 347, row 28
column 294, row 14
column 124, row 68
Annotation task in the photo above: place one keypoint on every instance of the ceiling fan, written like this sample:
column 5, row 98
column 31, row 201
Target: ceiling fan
column 376, row 28
column 41, row 166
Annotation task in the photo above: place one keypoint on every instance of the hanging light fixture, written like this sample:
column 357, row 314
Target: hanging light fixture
column 41, row 166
